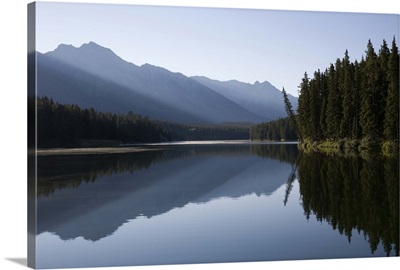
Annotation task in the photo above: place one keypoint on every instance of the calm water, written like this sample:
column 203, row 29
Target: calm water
column 214, row 203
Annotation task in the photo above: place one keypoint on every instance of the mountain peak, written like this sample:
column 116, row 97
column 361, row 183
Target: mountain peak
column 264, row 83
column 147, row 65
column 93, row 45
column 86, row 54
column 90, row 46
column 64, row 47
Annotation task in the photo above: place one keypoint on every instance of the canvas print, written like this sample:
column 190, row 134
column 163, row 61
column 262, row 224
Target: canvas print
column 182, row 135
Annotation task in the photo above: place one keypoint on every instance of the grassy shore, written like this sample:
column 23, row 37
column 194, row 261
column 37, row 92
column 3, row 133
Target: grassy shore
column 364, row 147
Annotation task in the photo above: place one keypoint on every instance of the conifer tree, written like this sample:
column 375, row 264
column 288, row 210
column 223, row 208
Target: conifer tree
column 347, row 93
column 391, row 122
column 369, row 120
column 315, row 105
column 289, row 111
column 355, row 128
column 333, row 110
column 324, row 102
column 384, row 54
column 303, row 108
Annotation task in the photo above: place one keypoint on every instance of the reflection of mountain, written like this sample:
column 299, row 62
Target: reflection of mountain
column 69, row 171
column 96, row 209
column 261, row 178
column 351, row 193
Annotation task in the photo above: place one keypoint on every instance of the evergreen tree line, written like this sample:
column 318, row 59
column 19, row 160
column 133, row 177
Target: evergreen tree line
column 70, row 126
column 184, row 132
column 353, row 100
column 67, row 125
column 282, row 129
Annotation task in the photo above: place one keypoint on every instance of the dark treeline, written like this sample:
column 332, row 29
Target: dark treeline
column 353, row 195
column 182, row 132
column 282, row 129
column 353, row 101
column 70, row 126
column 67, row 125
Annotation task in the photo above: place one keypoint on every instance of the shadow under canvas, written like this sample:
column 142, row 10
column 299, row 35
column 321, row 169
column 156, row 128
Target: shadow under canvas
column 20, row 261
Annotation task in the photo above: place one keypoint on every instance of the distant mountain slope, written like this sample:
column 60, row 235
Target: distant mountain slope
column 94, row 76
column 69, row 85
column 262, row 99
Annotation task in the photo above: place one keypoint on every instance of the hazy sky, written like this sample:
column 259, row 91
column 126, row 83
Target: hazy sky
column 222, row 44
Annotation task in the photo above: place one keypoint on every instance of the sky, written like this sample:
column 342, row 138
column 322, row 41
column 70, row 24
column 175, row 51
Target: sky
column 247, row 45
column 13, row 68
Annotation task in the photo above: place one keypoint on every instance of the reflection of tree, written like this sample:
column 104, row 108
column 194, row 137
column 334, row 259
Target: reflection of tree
column 352, row 193
column 289, row 185
column 58, row 172
column 290, row 181
column 282, row 152
column 279, row 151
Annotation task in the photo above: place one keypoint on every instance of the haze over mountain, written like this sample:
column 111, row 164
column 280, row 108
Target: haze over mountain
column 258, row 98
column 94, row 76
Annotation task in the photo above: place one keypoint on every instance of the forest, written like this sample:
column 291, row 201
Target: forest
column 349, row 105
column 282, row 129
column 60, row 125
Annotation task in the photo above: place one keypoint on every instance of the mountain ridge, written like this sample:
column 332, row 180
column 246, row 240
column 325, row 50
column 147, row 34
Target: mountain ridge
column 259, row 98
column 91, row 72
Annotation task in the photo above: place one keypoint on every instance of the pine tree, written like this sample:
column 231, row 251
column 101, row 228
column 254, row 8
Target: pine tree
column 347, row 102
column 356, row 100
column 384, row 54
column 315, row 106
column 289, row 111
column 333, row 110
column 303, row 108
column 391, row 122
column 369, row 119
column 324, row 102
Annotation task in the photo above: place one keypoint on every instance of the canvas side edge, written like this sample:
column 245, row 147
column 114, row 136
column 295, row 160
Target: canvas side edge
column 31, row 128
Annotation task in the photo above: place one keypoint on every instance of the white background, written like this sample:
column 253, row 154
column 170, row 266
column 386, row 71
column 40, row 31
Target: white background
column 13, row 165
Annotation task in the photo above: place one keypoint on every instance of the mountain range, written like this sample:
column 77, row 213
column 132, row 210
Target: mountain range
column 92, row 76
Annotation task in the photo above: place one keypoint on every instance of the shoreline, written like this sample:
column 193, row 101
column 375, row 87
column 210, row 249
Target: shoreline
column 385, row 148
column 145, row 147
column 94, row 151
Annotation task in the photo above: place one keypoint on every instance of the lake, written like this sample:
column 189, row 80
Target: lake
column 214, row 202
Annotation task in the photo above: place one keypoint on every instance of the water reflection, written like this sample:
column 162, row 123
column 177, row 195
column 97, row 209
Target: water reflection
column 91, row 196
column 215, row 203
column 69, row 171
column 351, row 193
